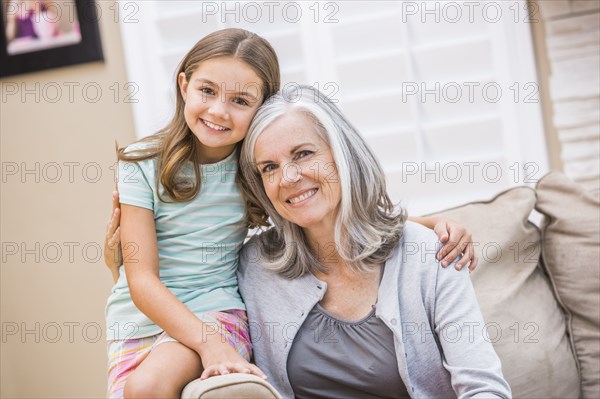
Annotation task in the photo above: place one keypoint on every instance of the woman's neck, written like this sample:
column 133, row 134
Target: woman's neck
column 323, row 245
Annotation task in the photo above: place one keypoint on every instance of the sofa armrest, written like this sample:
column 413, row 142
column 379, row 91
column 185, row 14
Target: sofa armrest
column 237, row 385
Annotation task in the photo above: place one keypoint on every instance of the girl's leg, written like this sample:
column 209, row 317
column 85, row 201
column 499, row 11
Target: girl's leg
column 124, row 356
column 164, row 373
column 169, row 366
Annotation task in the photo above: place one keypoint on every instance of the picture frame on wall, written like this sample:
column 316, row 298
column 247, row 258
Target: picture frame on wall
column 43, row 34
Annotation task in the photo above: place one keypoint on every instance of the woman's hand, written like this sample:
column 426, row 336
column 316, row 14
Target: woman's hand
column 113, row 257
column 219, row 358
column 457, row 240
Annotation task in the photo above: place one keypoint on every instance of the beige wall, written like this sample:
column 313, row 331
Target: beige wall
column 59, row 290
column 538, row 32
column 568, row 49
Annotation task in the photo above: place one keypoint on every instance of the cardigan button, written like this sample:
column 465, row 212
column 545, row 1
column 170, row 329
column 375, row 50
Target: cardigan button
column 319, row 287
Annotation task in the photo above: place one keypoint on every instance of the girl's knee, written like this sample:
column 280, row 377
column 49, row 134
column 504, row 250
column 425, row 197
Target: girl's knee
column 148, row 387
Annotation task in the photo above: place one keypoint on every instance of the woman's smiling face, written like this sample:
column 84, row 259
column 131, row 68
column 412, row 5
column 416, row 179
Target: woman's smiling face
column 298, row 172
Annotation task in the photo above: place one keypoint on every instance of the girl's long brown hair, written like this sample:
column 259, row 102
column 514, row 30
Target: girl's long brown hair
column 175, row 145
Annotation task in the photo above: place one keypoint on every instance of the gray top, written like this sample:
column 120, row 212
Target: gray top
column 335, row 358
column 439, row 333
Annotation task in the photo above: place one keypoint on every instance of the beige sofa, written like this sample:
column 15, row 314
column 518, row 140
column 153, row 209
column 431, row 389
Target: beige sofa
column 539, row 291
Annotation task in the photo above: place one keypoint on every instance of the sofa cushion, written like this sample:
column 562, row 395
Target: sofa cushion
column 524, row 321
column 571, row 253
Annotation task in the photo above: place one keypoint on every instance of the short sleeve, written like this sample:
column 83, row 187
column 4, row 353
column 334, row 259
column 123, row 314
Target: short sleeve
column 136, row 183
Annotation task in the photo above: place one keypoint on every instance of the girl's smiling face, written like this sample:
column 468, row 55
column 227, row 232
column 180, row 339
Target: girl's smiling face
column 221, row 98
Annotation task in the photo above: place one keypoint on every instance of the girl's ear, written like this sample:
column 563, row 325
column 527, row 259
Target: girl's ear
column 183, row 85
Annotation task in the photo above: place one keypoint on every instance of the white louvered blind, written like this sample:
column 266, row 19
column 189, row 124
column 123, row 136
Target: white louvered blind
column 448, row 103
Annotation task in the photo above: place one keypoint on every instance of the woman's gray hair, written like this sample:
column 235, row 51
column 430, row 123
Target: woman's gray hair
column 368, row 226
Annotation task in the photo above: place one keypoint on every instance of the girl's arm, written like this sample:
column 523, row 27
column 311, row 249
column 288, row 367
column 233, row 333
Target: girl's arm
column 448, row 231
column 456, row 239
column 140, row 255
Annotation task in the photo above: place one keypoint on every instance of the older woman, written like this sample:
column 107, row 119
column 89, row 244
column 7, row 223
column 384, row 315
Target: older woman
column 345, row 297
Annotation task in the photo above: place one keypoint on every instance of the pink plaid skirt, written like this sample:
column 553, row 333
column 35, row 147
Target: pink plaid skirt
column 125, row 355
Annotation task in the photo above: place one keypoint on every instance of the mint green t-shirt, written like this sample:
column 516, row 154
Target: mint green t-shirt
column 198, row 244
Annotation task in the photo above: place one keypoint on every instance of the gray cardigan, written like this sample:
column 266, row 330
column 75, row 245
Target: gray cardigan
column 441, row 343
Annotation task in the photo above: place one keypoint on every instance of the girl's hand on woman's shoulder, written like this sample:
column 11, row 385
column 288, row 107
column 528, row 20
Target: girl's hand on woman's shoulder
column 113, row 257
column 456, row 240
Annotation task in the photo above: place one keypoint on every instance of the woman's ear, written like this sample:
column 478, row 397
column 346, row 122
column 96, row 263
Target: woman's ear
column 183, row 85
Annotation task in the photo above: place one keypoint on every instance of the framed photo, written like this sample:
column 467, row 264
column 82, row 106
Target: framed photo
column 44, row 34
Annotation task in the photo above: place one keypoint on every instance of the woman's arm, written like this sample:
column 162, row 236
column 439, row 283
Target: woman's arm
column 459, row 325
column 140, row 255
column 113, row 257
column 457, row 240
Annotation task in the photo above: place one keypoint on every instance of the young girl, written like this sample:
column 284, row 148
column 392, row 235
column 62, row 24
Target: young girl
column 175, row 313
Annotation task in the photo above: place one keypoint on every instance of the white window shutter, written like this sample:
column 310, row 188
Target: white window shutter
column 371, row 61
